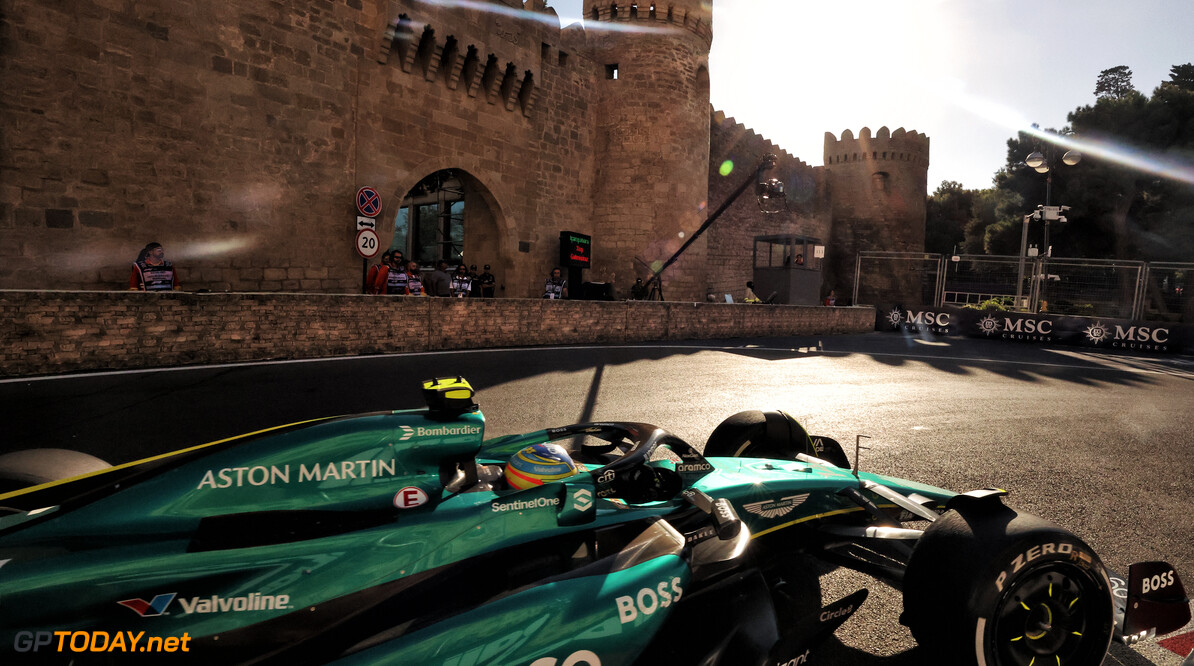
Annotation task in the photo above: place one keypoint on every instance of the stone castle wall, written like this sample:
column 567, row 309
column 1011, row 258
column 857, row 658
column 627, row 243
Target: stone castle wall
column 237, row 134
column 731, row 238
column 877, row 192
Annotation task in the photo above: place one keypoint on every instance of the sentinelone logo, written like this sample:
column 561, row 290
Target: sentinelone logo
column 213, row 604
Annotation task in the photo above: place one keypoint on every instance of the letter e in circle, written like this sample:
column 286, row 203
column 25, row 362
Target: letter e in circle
column 410, row 497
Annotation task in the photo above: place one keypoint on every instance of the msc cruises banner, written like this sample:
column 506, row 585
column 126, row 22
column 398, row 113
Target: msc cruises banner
column 1042, row 329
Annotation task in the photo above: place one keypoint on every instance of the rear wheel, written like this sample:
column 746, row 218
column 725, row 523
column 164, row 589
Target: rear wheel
column 993, row 587
column 32, row 467
column 775, row 434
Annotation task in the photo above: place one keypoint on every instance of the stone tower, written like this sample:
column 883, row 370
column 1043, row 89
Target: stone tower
column 652, row 139
column 877, row 190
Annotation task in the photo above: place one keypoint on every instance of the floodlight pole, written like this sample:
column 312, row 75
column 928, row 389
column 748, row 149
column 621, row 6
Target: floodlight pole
column 654, row 286
column 1020, row 275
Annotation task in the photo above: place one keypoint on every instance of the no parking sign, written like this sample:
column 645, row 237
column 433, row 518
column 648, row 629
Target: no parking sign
column 368, row 202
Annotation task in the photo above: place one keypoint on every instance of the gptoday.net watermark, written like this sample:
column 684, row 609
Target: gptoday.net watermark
column 98, row 641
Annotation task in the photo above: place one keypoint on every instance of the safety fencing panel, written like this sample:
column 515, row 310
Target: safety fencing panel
column 1167, row 293
column 911, row 278
column 1109, row 288
column 976, row 279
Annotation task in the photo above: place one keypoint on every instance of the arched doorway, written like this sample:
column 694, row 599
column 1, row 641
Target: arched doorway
column 449, row 215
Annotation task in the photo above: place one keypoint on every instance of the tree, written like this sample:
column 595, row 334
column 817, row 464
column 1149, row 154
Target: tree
column 1182, row 76
column 1114, row 83
column 947, row 212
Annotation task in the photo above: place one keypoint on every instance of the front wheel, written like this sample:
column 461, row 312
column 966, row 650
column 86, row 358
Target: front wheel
column 756, row 434
column 992, row 587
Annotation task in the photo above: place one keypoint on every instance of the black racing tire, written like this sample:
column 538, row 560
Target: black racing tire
column 993, row 587
column 756, row 434
column 32, row 467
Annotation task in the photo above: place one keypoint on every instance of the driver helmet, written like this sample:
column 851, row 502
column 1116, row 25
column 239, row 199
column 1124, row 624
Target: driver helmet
column 539, row 464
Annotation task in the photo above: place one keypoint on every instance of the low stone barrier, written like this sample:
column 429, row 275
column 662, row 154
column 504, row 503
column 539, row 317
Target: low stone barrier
column 48, row 332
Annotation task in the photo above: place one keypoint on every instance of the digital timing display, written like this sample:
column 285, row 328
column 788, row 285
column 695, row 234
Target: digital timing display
column 576, row 250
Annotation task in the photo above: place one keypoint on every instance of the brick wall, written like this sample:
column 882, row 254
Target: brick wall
column 59, row 331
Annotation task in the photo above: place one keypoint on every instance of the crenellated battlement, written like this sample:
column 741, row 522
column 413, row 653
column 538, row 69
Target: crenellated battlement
column 430, row 48
column 692, row 15
column 741, row 136
column 884, row 146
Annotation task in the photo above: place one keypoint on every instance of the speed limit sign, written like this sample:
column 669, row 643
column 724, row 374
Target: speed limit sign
column 367, row 243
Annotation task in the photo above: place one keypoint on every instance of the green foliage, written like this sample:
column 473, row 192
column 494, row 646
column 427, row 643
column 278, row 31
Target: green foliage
column 946, row 214
column 1120, row 208
column 1002, row 304
column 1114, row 83
column 1182, row 76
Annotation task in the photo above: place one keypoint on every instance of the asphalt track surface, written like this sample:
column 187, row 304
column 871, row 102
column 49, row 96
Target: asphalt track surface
column 1099, row 443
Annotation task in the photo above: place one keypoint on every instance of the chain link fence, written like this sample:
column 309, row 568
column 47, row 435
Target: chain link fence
column 1074, row 287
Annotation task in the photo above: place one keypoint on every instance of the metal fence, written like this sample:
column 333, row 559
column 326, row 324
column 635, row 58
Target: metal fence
column 890, row 277
column 1076, row 287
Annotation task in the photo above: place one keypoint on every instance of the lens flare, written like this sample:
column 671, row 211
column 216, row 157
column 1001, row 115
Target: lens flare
column 1121, row 154
column 204, row 249
column 1151, row 162
column 727, row 167
column 656, row 266
column 553, row 21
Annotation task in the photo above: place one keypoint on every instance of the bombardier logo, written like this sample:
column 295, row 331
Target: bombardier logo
column 407, row 433
column 776, row 508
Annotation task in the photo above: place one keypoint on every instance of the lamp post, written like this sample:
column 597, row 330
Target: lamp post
column 1043, row 163
column 771, row 199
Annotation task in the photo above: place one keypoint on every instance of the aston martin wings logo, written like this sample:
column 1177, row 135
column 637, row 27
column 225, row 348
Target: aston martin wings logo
column 776, row 508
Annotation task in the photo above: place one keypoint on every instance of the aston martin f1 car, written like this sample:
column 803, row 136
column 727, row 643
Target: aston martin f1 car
column 394, row 538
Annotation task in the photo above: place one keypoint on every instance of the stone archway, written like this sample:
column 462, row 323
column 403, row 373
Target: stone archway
column 449, row 214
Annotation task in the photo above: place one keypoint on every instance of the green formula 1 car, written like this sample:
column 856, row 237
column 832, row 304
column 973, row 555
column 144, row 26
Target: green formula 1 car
column 395, row 538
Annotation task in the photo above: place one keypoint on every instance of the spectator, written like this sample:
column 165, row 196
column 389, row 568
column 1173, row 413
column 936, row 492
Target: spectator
column 414, row 281
column 750, row 294
column 371, row 276
column 638, row 292
column 462, row 284
column 475, row 281
column 556, row 286
column 151, row 271
column 800, row 260
column 831, row 299
column 439, row 283
column 391, row 278
column 487, row 282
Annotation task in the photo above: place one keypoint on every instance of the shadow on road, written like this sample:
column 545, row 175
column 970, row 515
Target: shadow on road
column 119, row 416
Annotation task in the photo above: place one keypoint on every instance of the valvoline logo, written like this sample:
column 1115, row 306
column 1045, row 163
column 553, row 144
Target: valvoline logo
column 149, row 608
